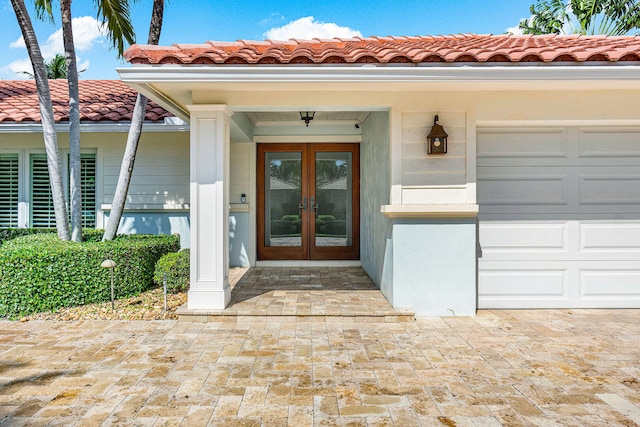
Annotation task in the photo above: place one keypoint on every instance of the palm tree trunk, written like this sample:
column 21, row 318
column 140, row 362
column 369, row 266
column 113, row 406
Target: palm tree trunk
column 137, row 119
column 46, row 112
column 75, row 188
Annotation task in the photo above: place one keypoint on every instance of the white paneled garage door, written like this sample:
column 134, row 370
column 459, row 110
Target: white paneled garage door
column 559, row 217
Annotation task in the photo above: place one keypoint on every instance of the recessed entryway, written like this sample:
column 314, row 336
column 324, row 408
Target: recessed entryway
column 308, row 201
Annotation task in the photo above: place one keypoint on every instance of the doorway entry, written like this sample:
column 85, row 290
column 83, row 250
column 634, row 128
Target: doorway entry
column 308, row 201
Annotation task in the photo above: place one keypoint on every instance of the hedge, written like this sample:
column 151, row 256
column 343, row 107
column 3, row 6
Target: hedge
column 176, row 266
column 7, row 234
column 41, row 273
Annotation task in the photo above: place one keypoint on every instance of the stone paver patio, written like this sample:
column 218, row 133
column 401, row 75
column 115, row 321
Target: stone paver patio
column 565, row 367
column 296, row 293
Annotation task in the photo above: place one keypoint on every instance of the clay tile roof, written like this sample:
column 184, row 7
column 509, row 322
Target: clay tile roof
column 466, row 48
column 100, row 101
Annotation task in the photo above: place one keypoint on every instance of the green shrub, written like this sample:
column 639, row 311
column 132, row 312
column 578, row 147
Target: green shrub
column 41, row 273
column 176, row 265
column 7, row 234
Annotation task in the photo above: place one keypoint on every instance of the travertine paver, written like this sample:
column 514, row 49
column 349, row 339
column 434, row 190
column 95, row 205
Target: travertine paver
column 511, row 368
column 322, row 293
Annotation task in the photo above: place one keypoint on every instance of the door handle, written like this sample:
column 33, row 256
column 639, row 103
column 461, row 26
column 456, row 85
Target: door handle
column 302, row 206
column 314, row 206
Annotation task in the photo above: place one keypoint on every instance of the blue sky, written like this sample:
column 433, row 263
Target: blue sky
column 198, row 21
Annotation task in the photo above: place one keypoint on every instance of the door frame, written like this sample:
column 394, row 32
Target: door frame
column 309, row 251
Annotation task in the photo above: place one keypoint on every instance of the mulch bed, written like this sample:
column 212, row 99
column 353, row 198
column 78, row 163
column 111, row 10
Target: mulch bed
column 145, row 306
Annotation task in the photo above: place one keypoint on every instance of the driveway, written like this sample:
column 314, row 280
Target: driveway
column 569, row 368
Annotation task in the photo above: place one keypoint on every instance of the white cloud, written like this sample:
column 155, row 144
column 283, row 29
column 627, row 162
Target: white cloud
column 308, row 28
column 14, row 69
column 87, row 31
column 18, row 44
column 515, row 30
column 83, row 65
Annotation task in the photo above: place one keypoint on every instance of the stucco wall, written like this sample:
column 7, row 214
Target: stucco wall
column 374, row 192
column 434, row 264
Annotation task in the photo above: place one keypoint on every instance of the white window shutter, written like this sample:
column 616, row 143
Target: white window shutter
column 9, row 176
column 42, row 213
column 88, row 181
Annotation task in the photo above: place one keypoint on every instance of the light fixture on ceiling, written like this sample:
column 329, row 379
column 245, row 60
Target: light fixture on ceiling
column 307, row 117
column 437, row 139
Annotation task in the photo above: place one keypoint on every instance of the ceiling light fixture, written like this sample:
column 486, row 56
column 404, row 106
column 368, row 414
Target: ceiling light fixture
column 307, row 117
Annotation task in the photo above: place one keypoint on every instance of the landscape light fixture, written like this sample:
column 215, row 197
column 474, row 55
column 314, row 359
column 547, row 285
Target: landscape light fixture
column 307, row 117
column 110, row 264
column 437, row 139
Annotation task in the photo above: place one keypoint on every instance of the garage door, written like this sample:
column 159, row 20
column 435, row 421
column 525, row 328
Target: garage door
column 559, row 217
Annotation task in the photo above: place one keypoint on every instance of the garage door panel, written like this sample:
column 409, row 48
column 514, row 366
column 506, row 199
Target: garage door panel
column 622, row 147
column 615, row 238
column 611, row 189
column 611, row 282
column 525, row 186
column 514, row 287
column 521, row 146
column 510, row 237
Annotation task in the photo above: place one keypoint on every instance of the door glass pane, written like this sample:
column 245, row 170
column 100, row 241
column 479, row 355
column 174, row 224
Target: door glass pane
column 283, row 184
column 332, row 204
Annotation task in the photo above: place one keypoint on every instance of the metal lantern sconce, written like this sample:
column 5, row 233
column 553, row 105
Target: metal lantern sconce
column 307, row 118
column 437, row 139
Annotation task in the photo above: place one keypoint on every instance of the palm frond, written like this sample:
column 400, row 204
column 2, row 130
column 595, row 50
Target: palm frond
column 44, row 10
column 115, row 14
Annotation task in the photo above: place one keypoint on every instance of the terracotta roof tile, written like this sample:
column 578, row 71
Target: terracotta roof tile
column 100, row 101
column 467, row 48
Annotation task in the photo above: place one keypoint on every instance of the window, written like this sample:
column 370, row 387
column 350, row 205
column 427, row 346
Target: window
column 88, row 183
column 42, row 213
column 9, row 190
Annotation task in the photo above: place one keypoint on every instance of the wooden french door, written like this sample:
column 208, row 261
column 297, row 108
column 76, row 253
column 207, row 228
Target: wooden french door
column 308, row 201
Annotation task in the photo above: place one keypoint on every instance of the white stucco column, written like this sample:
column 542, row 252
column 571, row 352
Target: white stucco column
column 209, row 198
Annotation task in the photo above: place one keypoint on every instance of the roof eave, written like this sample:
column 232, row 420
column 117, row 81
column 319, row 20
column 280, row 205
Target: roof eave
column 103, row 126
column 470, row 77
column 372, row 73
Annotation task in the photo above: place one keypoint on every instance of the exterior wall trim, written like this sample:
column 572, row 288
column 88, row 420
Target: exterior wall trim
column 430, row 211
column 375, row 73
column 92, row 127
column 538, row 123
column 148, row 207
column 307, row 138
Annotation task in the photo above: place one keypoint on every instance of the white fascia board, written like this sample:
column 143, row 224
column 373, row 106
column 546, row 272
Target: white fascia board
column 99, row 127
column 142, row 75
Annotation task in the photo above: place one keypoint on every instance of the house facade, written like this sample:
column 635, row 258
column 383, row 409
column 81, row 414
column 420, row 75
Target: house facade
column 316, row 153
column 536, row 203
column 158, row 199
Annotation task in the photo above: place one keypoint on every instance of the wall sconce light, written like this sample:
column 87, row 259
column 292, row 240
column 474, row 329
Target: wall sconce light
column 437, row 139
column 307, row 118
